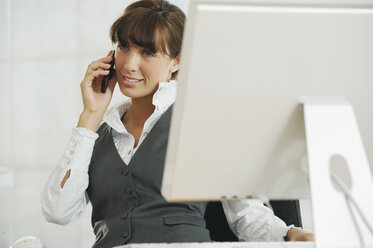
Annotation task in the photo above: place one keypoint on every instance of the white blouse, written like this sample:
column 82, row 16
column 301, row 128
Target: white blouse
column 250, row 220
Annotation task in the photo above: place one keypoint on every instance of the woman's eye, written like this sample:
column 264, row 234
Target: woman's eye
column 120, row 47
column 148, row 53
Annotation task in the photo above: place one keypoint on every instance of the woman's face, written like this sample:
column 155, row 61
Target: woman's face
column 139, row 71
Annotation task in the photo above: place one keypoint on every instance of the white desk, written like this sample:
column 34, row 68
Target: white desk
column 225, row 245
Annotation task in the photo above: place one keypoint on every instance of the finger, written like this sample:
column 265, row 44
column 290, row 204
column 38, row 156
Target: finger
column 108, row 56
column 106, row 60
column 309, row 237
column 99, row 64
column 90, row 76
column 100, row 72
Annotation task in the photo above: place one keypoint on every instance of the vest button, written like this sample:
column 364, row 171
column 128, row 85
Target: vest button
column 125, row 235
column 125, row 171
column 124, row 216
column 135, row 203
column 129, row 191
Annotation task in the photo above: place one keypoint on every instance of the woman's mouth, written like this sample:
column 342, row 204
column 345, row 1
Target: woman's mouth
column 130, row 82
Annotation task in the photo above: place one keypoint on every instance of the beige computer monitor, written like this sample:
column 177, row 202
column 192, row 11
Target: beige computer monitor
column 237, row 128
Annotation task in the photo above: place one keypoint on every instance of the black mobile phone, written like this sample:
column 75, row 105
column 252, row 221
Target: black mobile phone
column 106, row 78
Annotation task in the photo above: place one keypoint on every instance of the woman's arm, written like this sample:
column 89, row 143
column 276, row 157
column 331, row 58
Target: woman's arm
column 250, row 220
column 63, row 198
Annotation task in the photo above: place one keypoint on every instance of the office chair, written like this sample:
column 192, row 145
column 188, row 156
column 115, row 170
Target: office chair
column 220, row 231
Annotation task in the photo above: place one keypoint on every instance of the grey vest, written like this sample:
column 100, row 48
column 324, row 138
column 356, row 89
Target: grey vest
column 126, row 200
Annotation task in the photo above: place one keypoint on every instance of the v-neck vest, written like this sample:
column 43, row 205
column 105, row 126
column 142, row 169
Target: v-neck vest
column 127, row 205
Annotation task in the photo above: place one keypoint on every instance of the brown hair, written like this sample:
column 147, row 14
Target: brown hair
column 155, row 25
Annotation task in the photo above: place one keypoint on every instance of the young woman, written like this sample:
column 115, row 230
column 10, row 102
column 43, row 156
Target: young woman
column 118, row 165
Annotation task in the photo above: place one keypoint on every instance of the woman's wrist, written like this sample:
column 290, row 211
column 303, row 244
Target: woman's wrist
column 289, row 233
column 298, row 234
column 90, row 120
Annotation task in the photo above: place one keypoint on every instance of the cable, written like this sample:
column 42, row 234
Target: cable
column 348, row 203
column 351, row 199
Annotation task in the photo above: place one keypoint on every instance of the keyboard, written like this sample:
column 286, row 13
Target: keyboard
column 224, row 245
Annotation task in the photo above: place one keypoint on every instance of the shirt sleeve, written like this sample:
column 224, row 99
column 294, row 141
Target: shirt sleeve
column 65, row 205
column 250, row 220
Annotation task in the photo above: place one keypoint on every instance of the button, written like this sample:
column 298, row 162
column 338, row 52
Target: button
column 135, row 203
column 125, row 171
column 71, row 152
column 73, row 143
column 129, row 191
column 68, row 161
column 124, row 216
column 125, row 235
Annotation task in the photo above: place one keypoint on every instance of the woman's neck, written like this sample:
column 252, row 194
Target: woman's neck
column 139, row 111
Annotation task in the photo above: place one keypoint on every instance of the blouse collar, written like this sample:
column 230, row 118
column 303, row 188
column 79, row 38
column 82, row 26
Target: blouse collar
column 163, row 98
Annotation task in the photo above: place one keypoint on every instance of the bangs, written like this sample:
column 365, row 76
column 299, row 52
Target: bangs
column 141, row 28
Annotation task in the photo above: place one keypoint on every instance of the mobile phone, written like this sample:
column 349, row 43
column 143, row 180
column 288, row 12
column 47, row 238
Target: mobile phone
column 106, row 78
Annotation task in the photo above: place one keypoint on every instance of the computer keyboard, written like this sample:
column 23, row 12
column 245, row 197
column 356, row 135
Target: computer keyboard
column 224, row 245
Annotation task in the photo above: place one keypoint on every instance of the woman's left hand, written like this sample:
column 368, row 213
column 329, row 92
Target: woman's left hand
column 295, row 234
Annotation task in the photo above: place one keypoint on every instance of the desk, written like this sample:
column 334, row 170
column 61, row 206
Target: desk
column 225, row 245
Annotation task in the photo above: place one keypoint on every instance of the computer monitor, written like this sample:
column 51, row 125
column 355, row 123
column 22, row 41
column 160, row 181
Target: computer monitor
column 237, row 128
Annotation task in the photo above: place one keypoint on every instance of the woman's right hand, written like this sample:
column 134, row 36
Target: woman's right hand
column 95, row 103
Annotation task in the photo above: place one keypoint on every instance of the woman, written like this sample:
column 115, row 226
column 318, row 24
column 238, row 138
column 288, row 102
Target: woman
column 118, row 165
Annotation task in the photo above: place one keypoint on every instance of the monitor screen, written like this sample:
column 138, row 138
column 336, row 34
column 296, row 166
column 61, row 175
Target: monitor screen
column 238, row 126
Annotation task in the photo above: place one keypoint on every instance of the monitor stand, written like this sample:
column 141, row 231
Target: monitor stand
column 334, row 144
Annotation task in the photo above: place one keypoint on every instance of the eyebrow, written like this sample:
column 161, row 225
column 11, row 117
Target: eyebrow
column 129, row 44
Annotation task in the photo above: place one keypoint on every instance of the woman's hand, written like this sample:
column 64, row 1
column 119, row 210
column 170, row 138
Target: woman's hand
column 295, row 234
column 95, row 102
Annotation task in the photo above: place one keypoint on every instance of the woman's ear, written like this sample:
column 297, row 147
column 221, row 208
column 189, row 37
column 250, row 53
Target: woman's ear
column 176, row 64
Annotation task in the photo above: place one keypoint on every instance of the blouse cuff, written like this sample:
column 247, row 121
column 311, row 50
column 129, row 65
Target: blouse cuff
column 85, row 132
column 78, row 151
column 281, row 232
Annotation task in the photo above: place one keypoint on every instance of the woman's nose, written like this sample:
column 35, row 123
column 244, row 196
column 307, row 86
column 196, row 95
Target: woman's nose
column 131, row 62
